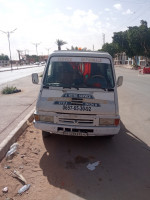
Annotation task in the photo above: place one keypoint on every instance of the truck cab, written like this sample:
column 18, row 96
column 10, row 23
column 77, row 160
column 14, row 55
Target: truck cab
column 78, row 95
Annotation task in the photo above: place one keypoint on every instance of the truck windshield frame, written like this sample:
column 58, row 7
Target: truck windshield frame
column 79, row 73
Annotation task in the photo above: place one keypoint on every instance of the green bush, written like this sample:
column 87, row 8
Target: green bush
column 10, row 90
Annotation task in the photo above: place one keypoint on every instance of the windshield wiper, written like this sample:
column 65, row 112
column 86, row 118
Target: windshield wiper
column 66, row 87
column 69, row 87
column 108, row 89
column 46, row 86
column 76, row 87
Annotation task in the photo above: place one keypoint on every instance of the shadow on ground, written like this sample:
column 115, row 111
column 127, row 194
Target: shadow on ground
column 123, row 173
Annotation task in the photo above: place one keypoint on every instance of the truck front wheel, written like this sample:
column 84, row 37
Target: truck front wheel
column 45, row 134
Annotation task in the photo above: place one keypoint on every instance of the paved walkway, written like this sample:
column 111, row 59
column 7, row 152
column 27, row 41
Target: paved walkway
column 124, row 66
column 15, row 107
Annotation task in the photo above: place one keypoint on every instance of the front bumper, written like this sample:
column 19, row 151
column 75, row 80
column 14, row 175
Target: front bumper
column 61, row 129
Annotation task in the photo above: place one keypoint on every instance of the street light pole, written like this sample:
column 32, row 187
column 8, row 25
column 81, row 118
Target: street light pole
column 8, row 36
column 48, row 50
column 36, row 45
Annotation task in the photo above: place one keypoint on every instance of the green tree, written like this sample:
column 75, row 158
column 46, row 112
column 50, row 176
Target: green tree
column 4, row 57
column 73, row 48
column 111, row 48
column 139, row 39
column 135, row 41
column 78, row 49
column 145, row 38
column 120, row 39
column 60, row 43
column 143, row 23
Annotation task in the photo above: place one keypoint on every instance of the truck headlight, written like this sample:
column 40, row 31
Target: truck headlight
column 44, row 118
column 109, row 122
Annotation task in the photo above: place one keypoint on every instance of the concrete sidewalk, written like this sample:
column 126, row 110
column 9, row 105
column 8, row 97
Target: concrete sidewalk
column 125, row 66
column 4, row 69
column 15, row 110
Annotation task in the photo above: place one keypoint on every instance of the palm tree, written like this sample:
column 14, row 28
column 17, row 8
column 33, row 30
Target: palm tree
column 60, row 43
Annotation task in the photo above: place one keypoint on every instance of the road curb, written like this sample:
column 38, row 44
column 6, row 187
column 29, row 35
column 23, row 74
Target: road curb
column 14, row 135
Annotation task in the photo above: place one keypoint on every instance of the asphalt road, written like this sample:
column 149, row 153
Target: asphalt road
column 124, row 168
column 56, row 167
column 7, row 76
column 134, row 103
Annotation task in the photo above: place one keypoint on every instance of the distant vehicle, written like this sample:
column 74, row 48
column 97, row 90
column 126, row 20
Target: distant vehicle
column 36, row 63
column 78, row 95
column 43, row 63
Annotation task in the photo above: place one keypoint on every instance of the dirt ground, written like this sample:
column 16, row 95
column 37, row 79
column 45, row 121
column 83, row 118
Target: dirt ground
column 29, row 161
column 56, row 168
column 26, row 161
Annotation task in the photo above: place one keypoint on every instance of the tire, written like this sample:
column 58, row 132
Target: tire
column 45, row 134
column 110, row 136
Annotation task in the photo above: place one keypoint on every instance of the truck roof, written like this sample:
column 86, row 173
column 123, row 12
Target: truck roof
column 81, row 53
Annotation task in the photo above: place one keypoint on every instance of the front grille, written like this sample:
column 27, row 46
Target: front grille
column 77, row 101
column 75, row 121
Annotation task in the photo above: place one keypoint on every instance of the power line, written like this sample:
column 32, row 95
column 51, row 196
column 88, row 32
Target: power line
column 134, row 2
column 141, row 13
column 131, row 19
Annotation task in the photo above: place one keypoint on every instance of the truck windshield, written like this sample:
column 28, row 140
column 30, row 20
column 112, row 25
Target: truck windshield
column 79, row 75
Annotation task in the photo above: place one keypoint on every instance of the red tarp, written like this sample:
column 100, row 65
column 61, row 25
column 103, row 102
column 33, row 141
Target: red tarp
column 145, row 70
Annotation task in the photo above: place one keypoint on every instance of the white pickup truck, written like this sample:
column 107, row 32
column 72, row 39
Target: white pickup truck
column 78, row 95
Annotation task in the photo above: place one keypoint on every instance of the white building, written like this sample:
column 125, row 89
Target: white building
column 123, row 59
column 4, row 63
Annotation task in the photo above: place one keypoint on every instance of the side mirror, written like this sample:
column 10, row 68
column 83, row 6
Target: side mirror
column 119, row 81
column 35, row 78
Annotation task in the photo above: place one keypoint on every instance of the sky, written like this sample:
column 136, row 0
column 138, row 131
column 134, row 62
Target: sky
column 81, row 23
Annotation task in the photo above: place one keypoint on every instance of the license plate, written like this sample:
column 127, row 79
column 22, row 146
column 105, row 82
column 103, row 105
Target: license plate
column 77, row 108
column 75, row 133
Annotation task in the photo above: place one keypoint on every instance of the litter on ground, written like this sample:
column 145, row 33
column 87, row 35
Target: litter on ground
column 16, row 174
column 24, row 188
column 93, row 165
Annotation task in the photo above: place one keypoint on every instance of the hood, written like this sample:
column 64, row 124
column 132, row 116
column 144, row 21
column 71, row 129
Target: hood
column 77, row 102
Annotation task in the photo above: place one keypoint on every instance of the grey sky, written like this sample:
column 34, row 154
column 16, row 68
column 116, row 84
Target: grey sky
column 79, row 23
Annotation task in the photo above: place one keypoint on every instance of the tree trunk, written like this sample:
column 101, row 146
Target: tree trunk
column 59, row 47
column 134, row 61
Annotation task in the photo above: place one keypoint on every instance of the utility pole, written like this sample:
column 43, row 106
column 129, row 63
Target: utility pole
column 93, row 47
column 19, row 55
column 36, row 45
column 103, row 35
column 8, row 36
column 25, row 51
column 48, row 50
column 26, row 56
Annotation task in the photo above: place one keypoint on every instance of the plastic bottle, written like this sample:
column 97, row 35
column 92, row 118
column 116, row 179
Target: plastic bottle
column 24, row 188
column 14, row 145
column 5, row 190
column 12, row 150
